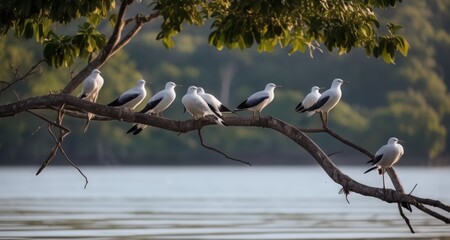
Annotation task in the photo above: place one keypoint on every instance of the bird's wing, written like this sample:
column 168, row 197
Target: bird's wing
column 151, row 104
column 376, row 159
column 322, row 100
column 309, row 101
column 253, row 100
column 123, row 99
column 215, row 110
column 299, row 107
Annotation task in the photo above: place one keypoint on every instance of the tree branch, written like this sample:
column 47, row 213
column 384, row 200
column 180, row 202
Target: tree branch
column 218, row 151
column 114, row 44
column 391, row 196
column 18, row 78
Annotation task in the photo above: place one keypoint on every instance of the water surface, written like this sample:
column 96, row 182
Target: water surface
column 209, row 203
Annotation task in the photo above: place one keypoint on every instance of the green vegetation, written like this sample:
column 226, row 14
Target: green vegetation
column 408, row 99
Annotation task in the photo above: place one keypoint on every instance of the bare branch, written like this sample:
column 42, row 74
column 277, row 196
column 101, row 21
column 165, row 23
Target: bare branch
column 218, row 151
column 58, row 143
column 52, row 101
column 347, row 142
column 433, row 213
column 18, row 78
column 400, row 210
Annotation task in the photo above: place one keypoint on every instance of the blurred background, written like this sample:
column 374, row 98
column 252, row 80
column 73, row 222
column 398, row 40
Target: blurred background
column 409, row 99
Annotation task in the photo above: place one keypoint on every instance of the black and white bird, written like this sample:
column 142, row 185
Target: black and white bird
column 156, row 105
column 309, row 100
column 132, row 97
column 89, row 91
column 386, row 156
column 198, row 107
column 328, row 100
column 214, row 104
column 91, row 86
column 259, row 100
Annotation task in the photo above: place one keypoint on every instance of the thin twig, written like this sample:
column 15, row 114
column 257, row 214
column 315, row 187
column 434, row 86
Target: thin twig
column 59, row 146
column 400, row 209
column 218, row 151
column 432, row 213
column 347, row 142
column 50, row 122
column 412, row 190
column 18, row 78
column 334, row 153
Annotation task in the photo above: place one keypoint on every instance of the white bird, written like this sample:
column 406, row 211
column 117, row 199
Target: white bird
column 89, row 91
column 386, row 156
column 91, row 86
column 198, row 107
column 309, row 100
column 214, row 104
column 156, row 105
column 132, row 97
column 328, row 100
column 259, row 100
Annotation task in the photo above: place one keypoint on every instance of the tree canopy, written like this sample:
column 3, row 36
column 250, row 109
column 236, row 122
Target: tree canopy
column 297, row 24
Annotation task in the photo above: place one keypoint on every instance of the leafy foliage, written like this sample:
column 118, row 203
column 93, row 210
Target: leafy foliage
column 29, row 19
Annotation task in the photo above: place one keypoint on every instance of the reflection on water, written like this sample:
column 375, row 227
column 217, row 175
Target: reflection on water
column 208, row 203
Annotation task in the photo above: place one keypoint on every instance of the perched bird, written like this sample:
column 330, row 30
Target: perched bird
column 156, row 105
column 386, row 157
column 309, row 100
column 91, row 86
column 132, row 97
column 89, row 91
column 259, row 100
column 328, row 100
column 198, row 107
column 214, row 104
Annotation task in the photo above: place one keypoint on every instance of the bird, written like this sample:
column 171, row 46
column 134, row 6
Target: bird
column 259, row 100
column 328, row 100
column 132, row 97
column 198, row 107
column 89, row 91
column 386, row 157
column 91, row 86
column 309, row 100
column 214, row 104
column 156, row 105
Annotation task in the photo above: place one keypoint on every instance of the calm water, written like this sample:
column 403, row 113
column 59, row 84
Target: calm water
column 208, row 203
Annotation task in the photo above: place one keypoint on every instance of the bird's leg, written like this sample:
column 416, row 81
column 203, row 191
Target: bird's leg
column 322, row 118
column 326, row 118
column 384, row 186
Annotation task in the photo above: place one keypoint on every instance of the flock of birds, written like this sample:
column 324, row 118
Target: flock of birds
column 201, row 104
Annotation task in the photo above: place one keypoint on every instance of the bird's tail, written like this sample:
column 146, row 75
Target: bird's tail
column 136, row 129
column 220, row 121
column 370, row 169
column 132, row 129
column 309, row 114
column 223, row 109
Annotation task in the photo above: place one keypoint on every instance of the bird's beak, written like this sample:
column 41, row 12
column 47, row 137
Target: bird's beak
column 177, row 85
column 345, row 81
column 278, row 86
column 321, row 88
column 401, row 141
